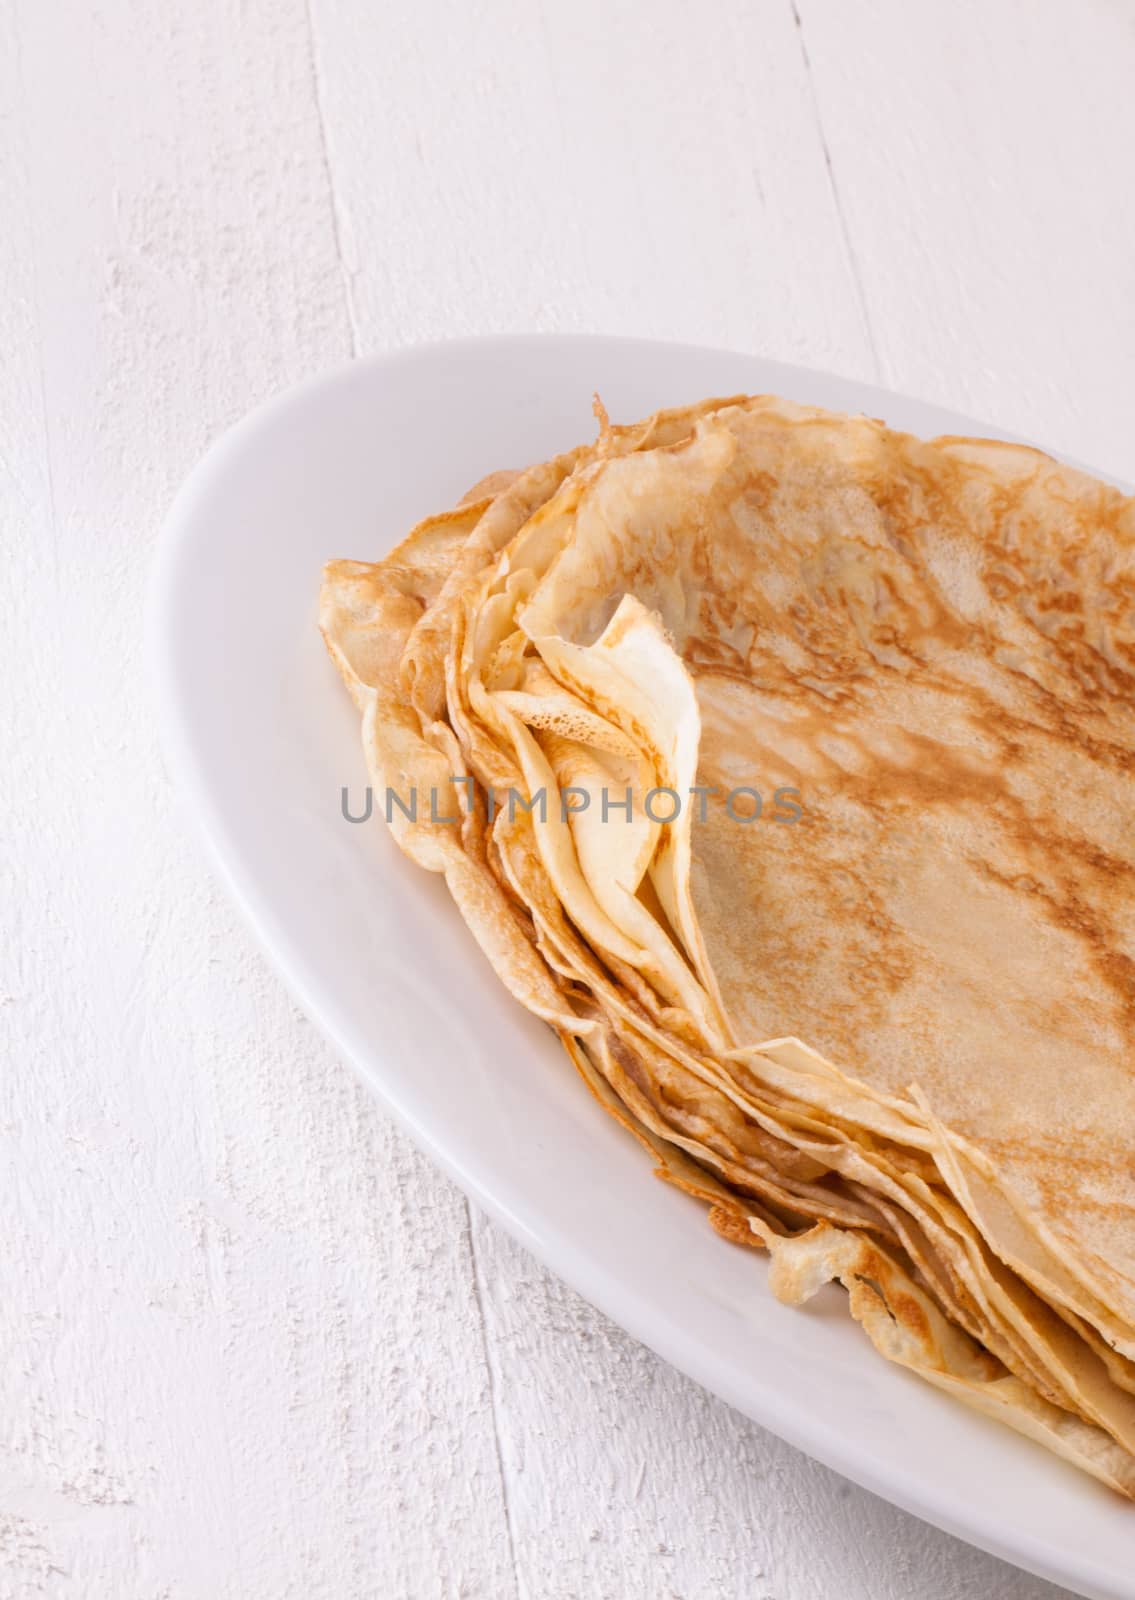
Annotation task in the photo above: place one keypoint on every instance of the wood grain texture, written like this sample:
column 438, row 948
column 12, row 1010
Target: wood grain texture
column 977, row 150
column 251, row 1345
column 220, row 1268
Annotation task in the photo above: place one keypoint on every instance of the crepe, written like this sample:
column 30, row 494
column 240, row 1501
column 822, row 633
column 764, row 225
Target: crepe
column 819, row 748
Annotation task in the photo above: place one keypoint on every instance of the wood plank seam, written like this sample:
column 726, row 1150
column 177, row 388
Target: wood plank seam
column 494, row 1408
column 837, row 201
column 337, row 227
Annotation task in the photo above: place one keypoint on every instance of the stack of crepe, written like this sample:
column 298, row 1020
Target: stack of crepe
column 885, row 1028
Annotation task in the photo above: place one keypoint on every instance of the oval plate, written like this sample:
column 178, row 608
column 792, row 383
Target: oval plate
column 262, row 738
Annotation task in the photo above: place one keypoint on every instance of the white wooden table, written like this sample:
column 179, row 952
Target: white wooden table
column 251, row 1346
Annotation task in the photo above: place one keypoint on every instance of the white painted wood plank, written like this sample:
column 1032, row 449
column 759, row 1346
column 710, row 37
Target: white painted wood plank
column 508, row 166
column 981, row 151
column 625, row 1479
column 219, row 1266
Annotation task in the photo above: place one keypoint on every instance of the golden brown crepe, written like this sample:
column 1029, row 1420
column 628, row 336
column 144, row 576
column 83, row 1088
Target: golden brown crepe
column 868, row 987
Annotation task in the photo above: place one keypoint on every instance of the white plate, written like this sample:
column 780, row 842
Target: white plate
column 262, row 738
